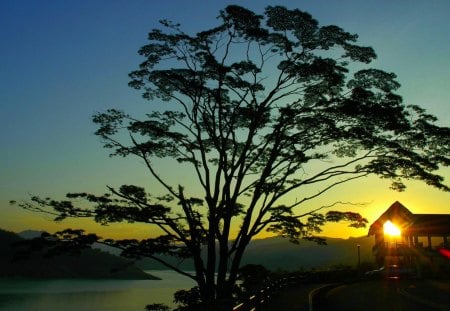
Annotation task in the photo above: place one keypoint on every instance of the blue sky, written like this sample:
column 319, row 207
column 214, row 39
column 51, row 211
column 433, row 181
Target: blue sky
column 62, row 61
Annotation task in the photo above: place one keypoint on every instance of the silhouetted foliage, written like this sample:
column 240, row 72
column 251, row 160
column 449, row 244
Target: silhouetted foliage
column 268, row 113
column 48, row 257
column 157, row 307
column 253, row 277
column 188, row 300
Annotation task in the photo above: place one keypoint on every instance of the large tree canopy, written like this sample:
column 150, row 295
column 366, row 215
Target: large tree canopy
column 259, row 107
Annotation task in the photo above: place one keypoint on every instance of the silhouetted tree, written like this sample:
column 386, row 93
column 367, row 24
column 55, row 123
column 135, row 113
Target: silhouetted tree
column 270, row 112
column 157, row 307
column 253, row 277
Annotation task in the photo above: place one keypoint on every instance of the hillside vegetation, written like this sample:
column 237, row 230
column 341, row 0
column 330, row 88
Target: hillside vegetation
column 277, row 253
column 93, row 264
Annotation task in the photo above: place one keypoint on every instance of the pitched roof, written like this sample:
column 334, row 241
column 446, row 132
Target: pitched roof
column 414, row 224
column 430, row 224
column 397, row 213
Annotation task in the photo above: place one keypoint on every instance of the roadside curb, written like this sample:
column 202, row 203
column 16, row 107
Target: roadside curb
column 315, row 293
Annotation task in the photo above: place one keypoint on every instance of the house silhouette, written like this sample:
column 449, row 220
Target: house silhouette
column 421, row 237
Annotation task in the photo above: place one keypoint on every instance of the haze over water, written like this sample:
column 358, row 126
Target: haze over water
column 90, row 295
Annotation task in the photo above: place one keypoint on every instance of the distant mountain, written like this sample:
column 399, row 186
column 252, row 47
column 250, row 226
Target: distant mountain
column 107, row 249
column 89, row 264
column 30, row 234
column 277, row 253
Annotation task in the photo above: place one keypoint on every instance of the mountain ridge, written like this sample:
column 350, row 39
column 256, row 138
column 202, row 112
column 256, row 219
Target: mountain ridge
column 91, row 264
column 276, row 253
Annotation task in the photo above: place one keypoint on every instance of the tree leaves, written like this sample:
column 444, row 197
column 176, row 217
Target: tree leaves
column 259, row 107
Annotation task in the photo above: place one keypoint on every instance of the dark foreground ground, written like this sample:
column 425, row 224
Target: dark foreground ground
column 392, row 295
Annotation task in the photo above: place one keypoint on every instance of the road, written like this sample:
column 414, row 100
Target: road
column 392, row 295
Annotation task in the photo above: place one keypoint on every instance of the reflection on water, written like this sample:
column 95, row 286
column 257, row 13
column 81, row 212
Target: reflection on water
column 90, row 295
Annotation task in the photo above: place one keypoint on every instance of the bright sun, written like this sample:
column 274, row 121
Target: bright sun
column 391, row 229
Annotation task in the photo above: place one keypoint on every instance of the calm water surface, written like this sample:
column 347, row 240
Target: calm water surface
column 90, row 295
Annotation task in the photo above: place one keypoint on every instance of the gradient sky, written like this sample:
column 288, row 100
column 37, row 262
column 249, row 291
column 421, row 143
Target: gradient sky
column 62, row 61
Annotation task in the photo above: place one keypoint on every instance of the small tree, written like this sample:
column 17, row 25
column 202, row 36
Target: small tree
column 253, row 277
column 259, row 107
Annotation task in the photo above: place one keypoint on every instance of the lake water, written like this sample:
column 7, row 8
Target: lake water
column 90, row 295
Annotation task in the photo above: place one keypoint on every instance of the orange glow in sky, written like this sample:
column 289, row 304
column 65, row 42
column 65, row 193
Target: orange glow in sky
column 48, row 145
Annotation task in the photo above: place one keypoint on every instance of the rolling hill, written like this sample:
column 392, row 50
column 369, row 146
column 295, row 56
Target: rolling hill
column 274, row 253
column 93, row 264
column 277, row 253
